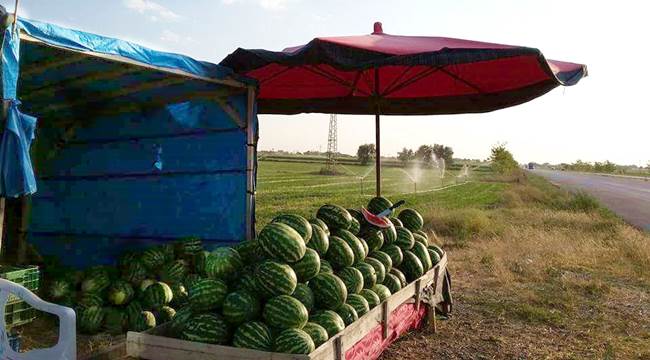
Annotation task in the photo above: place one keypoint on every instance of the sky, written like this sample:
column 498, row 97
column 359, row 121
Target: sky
column 604, row 117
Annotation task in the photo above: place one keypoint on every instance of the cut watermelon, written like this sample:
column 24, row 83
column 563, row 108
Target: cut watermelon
column 380, row 222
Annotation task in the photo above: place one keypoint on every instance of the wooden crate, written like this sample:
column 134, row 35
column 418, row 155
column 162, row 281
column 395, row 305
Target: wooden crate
column 152, row 346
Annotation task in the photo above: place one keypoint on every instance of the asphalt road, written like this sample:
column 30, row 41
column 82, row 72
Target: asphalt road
column 628, row 197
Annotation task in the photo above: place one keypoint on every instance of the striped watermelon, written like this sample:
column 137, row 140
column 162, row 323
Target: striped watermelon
column 179, row 294
column 329, row 291
column 357, row 215
column 405, row 238
column 247, row 283
column 59, row 289
column 400, row 275
column 293, row 341
column 274, row 278
column 390, row 234
column 120, row 293
column 188, row 247
column 347, row 313
column 153, row 258
column 281, row 242
column 115, row 321
column 340, row 254
column 435, row 257
column 320, row 240
column 384, row 258
column 180, row 319
column 317, row 333
column 420, row 250
column 359, row 303
column 207, row 294
column 411, row 266
column 411, row 219
column 142, row 321
column 165, row 314
column 304, row 294
column 366, row 250
column 91, row 319
column 378, row 204
column 223, row 263
column 355, row 227
column 326, row 267
column 169, row 251
column 285, row 312
column 133, row 309
column 144, row 284
column 249, row 250
column 253, row 335
column 374, row 238
column 190, row 280
column 422, row 233
column 352, row 278
column 380, row 269
column 308, row 266
column 96, row 280
column 240, row 306
column 437, row 249
column 334, row 216
column 134, row 272
column 396, row 222
column 126, row 258
column 157, row 295
column 371, row 297
column 420, row 239
column 321, row 224
column 382, row 291
column 173, row 272
column 90, row 300
column 354, row 243
column 393, row 283
column 329, row 320
column 200, row 262
column 207, row 328
column 369, row 274
column 395, row 254
column 298, row 223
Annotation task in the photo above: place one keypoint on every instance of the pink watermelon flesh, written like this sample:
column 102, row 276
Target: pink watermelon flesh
column 380, row 222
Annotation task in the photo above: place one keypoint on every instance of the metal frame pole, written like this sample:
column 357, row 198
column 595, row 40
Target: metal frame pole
column 251, row 148
column 377, row 135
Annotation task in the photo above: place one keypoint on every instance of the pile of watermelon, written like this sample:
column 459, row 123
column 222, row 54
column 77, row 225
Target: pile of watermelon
column 299, row 283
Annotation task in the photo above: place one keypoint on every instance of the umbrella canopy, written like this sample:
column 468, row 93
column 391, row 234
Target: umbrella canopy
column 399, row 75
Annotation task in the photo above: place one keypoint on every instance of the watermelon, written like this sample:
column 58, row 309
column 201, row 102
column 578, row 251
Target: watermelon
column 248, row 283
column 153, row 258
column 207, row 294
column 120, row 293
column 354, row 243
column 325, row 266
column 357, row 215
column 411, row 219
column 157, row 295
column 423, row 234
column 382, row 291
column 435, row 257
column 173, row 272
column 379, row 269
column 90, row 300
column 248, row 250
column 321, row 224
column 165, row 314
column 308, row 266
column 437, row 249
column 405, row 238
column 91, row 319
column 374, row 238
column 144, row 284
column 317, row 333
column 411, row 266
column 355, row 227
column 384, row 258
column 329, row 320
column 188, row 247
column 420, row 250
column 369, row 274
column 207, row 328
column 180, row 319
column 390, row 234
column 285, row 312
column 142, row 321
column 134, row 272
column 133, row 310
column 274, row 278
column 400, row 275
column 126, row 258
column 371, row 297
column 298, row 223
column 293, row 341
column 359, row 303
column 347, row 313
column 329, row 291
column 223, row 263
column 240, row 306
column 420, row 239
column 304, row 294
column 378, row 204
column 282, row 242
column 352, row 278
column 393, row 283
column 115, row 321
column 179, row 294
column 59, row 289
column 334, row 216
column 169, row 251
column 320, row 240
column 96, row 280
column 190, row 280
column 366, row 250
column 340, row 254
column 395, row 253
column 200, row 262
column 396, row 222
column 253, row 335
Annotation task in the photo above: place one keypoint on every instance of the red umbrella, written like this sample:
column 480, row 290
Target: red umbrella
column 399, row 75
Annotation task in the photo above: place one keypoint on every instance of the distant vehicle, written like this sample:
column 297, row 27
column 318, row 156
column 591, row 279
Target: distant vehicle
column 531, row 166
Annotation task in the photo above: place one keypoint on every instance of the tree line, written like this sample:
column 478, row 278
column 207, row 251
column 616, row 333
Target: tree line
column 425, row 154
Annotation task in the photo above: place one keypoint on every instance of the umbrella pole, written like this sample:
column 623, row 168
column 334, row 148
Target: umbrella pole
column 378, row 154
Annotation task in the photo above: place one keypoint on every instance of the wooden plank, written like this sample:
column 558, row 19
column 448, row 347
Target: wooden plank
column 40, row 68
column 385, row 318
column 338, row 348
column 418, row 284
column 232, row 112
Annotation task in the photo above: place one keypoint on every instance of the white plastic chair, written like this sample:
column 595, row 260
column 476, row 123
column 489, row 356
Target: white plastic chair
column 65, row 349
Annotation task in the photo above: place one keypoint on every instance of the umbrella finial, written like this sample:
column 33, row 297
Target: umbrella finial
column 377, row 29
